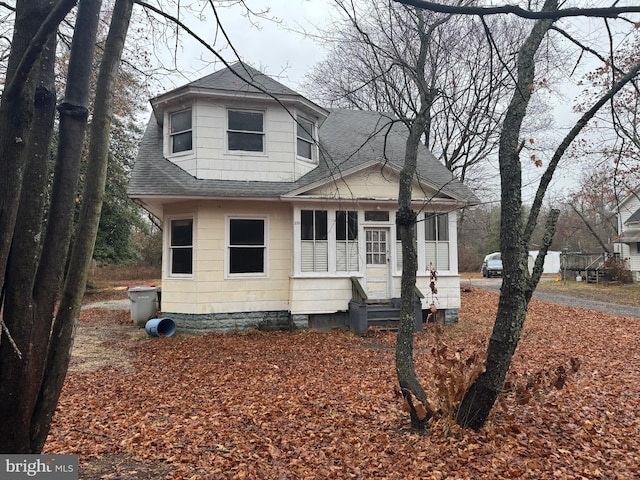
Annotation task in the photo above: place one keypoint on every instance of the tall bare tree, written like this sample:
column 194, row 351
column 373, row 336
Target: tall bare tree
column 36, row 342
column 36, row 337
column 515, row 232
column 370, row 63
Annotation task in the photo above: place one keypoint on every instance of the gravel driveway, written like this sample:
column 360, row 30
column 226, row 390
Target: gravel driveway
column 561, row 299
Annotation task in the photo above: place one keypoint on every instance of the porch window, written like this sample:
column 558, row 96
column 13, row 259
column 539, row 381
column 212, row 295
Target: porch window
column 181, row 247
column 376, row 216
column 247, row 246
column 315, row 246
column 305, row 138
column 436, row 235
column 180, row 131
column 246, row 131
column 346, row 241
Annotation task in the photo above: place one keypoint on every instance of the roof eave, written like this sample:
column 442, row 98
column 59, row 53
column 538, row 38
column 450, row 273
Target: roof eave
column 161, row 102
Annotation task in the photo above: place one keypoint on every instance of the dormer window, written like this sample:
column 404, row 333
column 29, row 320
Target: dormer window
column 181, row 133
column 246, row 131
column 305, row 136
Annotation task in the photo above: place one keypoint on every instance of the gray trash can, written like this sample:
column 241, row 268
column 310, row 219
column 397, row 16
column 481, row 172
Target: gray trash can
column 143, row 304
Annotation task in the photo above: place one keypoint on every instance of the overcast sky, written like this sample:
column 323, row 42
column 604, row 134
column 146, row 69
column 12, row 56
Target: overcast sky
column 273, row 43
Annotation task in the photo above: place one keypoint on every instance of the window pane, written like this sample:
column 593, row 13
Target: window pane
column 306, row 220
column 304, row 149
column 443, row 227
column 246, row 232
column 181, row 260
column 341, row 225
column 246, row 121
column 181, row 142
column 180, row 121
column 321, row 225
column 305, row 129
column 376, row 216
column 430, row 228
column 182, row 232
column 246, row 260
column 353, row 225
column 249, row 142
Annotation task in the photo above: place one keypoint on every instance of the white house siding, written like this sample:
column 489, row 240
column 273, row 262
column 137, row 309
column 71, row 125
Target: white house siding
column 448, row 296
column 629, row 252
column 325, row 293
column 278, row 162
column 328, row 295
column 320, row 295
column 369, row 183
column 210, row 290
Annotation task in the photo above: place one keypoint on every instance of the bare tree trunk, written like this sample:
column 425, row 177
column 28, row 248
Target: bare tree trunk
column 19, row 304
column 34, row 28
column 412, row 391
column 31, row 34
column 514, row 297
column 419, row 407
column 21, row 378
column 82, row 252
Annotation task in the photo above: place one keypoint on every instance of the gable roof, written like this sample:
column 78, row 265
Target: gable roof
column 241, row 77
column 631, row 194
column 352, row 139
column 634, row 218
column 349, row 140
column 238, row 80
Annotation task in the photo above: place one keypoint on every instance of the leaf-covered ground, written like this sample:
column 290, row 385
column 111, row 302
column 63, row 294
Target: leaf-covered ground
column 321, row 405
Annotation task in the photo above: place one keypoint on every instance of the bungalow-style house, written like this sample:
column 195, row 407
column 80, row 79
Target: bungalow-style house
column 276, row 211
column 629, row 232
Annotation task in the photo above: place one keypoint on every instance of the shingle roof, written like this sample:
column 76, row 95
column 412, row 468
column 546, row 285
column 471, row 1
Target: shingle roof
column 153, row 175
column 348, row 139
column 251, row 80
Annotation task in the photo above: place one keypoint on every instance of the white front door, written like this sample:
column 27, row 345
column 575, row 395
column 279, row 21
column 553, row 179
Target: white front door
column 378, row 263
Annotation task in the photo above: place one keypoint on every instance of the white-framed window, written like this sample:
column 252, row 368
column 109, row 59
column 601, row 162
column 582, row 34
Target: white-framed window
column 247, row 249
column 436, row 235
column 181, row 247
column 315, row 244
column 346, row 241
column 376, row 216
column 305, row 134
column 245, row 130
column 180, row 131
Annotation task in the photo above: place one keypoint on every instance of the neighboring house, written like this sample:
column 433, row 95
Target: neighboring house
column 551, row 261
column 275, row 210
column 629, row 232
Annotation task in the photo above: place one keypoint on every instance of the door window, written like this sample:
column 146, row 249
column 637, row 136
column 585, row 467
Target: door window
column 376, row 247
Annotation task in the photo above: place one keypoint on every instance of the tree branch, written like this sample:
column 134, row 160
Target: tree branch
column 573, row 133
column 610, row 12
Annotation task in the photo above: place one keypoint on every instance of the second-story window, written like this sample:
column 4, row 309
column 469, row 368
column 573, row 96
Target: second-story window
column 305, row 135
column 246, row 131
column 181, row 133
